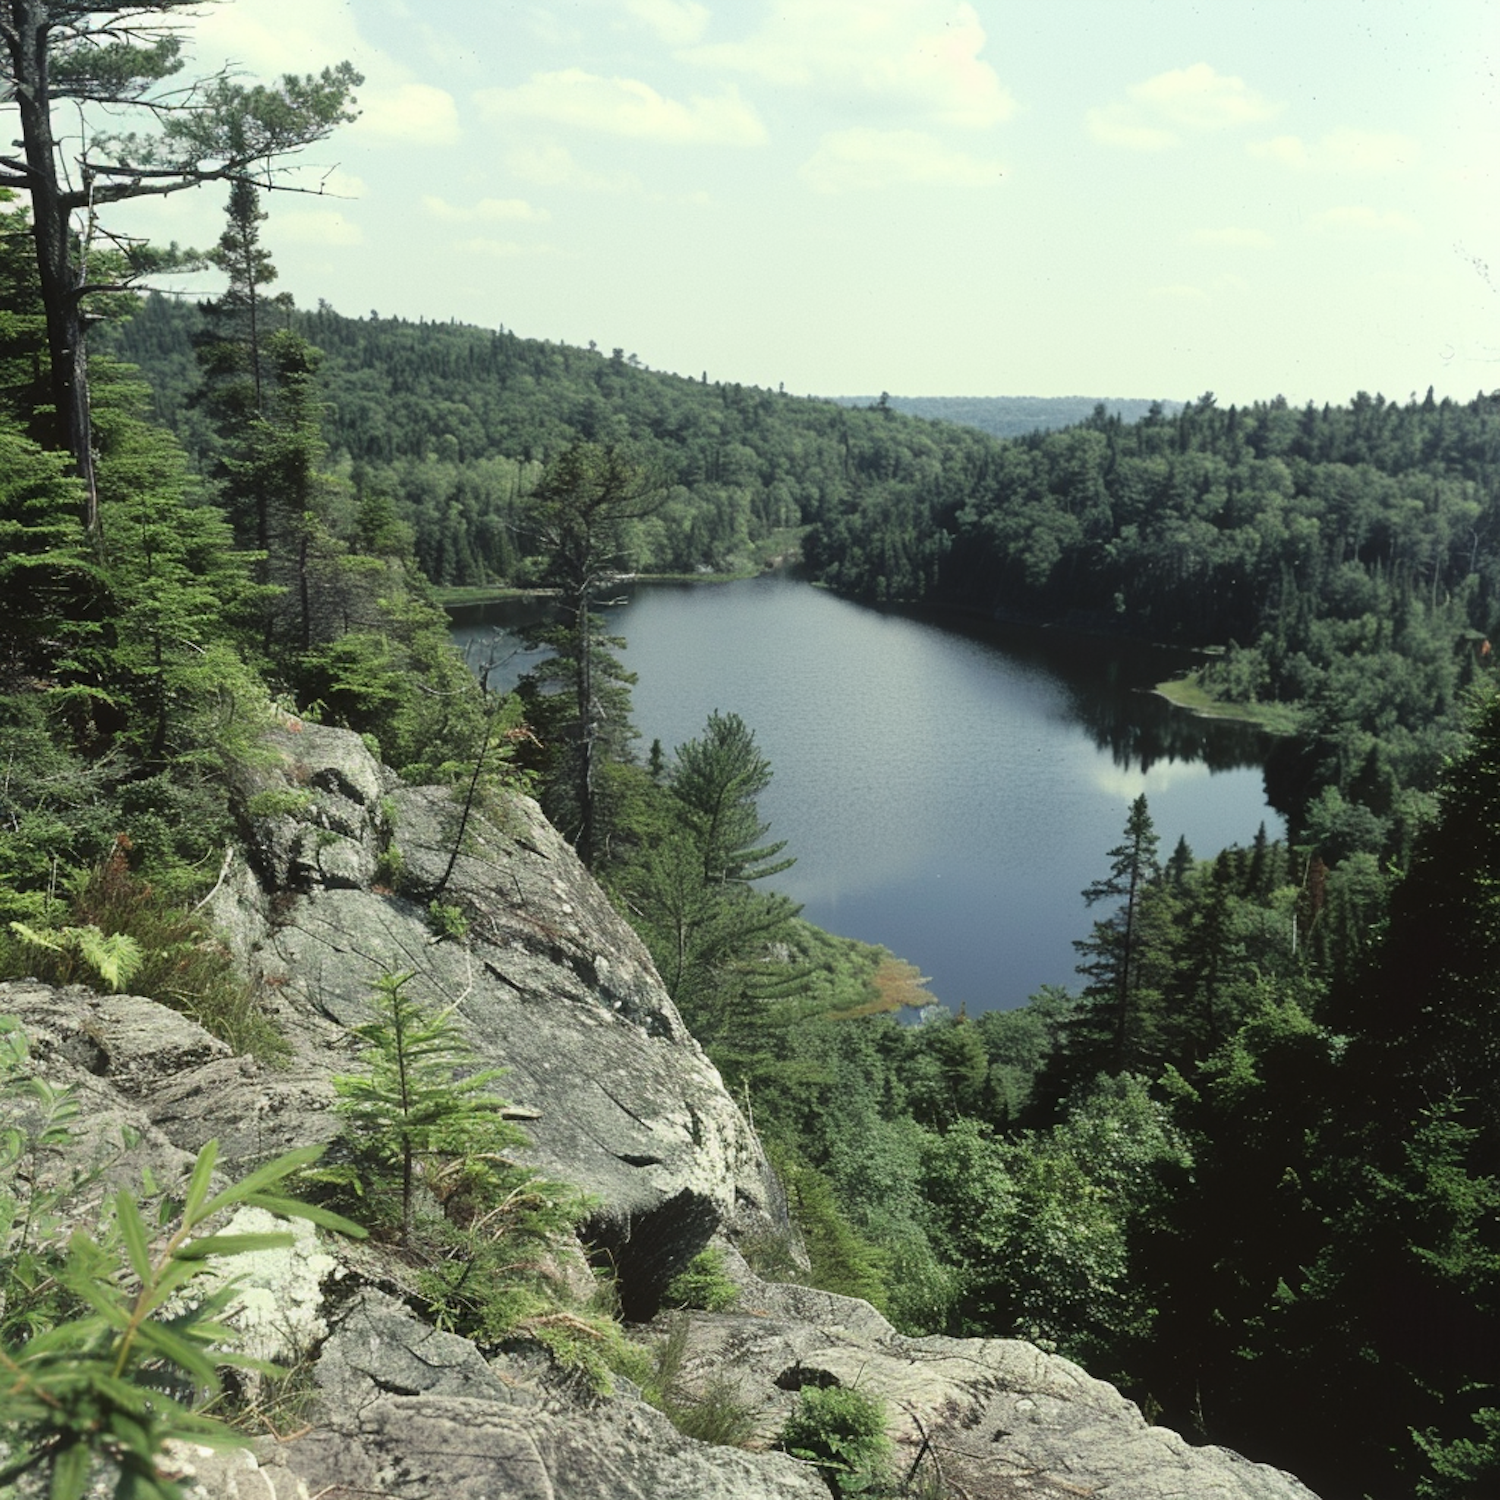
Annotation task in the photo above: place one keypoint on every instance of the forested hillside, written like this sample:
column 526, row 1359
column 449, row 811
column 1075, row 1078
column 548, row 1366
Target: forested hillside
column 453, row 423
column 1345, row 561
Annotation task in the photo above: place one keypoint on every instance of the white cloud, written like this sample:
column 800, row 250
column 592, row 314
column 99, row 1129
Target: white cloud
column 1362, row 220
column 415, row 114
column 487, row 211
column 270, row 37
column 1190, row 100
column 924, row 53
column 627, row 107
column 1198, row 98
column 551, row 165
column 317, row 227
column 1234, row 238
column 677, row 23
column 1362, row 153
column 338, row 183
column 860, row 159
column 499, row 249
column 1122, row 125
column 1129, row 783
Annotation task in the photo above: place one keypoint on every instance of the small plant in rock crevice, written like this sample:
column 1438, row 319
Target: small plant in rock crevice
column 428, row 1159
column 711, row 1412
column 842, row 1431
column 705, row 1284
column 447, row 921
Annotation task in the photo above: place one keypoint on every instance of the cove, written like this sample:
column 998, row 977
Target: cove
column 949, row 789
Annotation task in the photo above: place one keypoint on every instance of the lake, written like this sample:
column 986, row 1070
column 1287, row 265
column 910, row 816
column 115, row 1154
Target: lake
column 949, row 789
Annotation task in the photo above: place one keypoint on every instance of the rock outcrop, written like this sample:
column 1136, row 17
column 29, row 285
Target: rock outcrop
column 550, row 984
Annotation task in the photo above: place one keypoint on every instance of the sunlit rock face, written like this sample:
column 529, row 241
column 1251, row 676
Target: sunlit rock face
column 548, row 983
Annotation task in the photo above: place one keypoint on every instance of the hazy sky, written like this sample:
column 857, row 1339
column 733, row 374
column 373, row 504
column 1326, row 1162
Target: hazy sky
column 1153, row 198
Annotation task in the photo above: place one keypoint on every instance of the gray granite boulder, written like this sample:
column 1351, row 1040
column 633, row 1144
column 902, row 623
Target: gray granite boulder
column 991, row 1419
column 548, row 983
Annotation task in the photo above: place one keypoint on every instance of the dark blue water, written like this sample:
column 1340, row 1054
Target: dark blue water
column 948, row 792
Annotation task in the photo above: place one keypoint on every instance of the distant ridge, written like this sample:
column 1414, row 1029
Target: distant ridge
column 1012, row 416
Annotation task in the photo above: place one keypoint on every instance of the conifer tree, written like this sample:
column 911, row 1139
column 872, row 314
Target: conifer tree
column 579, row 516
column 234, row 355
column 1113, row 957
column 419, row 1103
column 66, row 66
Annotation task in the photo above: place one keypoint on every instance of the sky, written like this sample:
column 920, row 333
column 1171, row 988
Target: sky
column 839, row 197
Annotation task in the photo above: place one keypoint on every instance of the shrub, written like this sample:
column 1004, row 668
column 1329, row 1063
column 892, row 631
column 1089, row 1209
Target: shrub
column 842, row 1431
column 106, row 1337
column 705, row 1284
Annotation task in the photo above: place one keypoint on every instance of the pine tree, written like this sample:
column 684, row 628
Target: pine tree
column 717, row 779
column 416, row 1107
column 91, row 60
column 234, row 355
column 580, row 515
column 1114, row 956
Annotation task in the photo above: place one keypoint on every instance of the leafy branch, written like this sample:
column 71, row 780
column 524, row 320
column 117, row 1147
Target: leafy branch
column 116, row 1383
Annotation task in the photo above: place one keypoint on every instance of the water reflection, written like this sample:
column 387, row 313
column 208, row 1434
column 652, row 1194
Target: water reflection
column 1108, row 691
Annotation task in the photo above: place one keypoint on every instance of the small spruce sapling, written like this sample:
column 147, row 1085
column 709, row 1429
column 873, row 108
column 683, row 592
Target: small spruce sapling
column 415, row 1105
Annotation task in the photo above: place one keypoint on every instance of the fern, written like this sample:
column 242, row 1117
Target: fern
column 115, row 957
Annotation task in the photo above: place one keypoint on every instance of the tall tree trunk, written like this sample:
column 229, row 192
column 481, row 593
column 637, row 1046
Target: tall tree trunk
column 51, row 207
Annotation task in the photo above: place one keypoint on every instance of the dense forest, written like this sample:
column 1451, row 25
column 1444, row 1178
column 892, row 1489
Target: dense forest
column 1248, row 1169
column 1343, row 561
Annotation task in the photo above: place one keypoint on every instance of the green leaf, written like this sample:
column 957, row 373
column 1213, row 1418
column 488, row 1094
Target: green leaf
column 203, row 1171
column 261, row 1178
column 133, row 1232
column 70, row 1472
column 158, row 1338
column 232, row 1244
column 295, row 1208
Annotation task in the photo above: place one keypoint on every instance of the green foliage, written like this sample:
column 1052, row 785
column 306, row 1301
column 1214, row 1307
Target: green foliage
column 114, row 959
column 279, row 802
column 1466, row 1468
column 842, row 1431
column 704, row 1284
column 447, row 921
column 842, row 1260
column 417, row 1112
column 711, row 1413
column 35, row 1126
column 106, row 1335
column 120, row 929
column 494, row 1243
column 685, row 860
